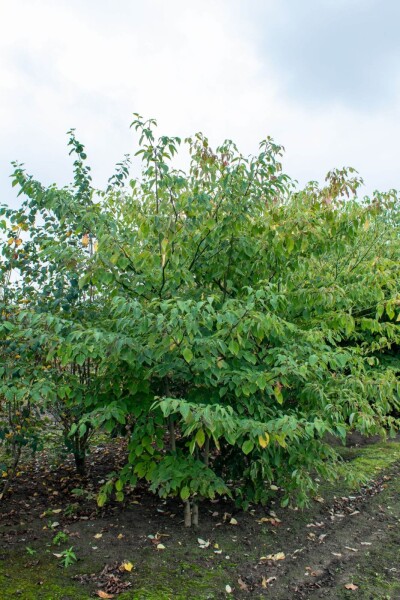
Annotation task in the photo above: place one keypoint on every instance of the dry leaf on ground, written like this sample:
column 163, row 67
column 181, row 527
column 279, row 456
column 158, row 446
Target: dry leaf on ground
column 277, row 556
column 243, row 585
column 351, row 586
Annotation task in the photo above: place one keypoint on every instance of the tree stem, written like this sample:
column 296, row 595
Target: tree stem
column 195, row 514
column 187, row 514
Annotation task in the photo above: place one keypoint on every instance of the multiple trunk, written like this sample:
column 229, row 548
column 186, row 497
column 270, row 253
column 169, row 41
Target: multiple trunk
column 191, row 513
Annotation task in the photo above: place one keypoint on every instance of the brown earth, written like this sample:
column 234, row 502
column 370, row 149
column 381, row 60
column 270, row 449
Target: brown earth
column 345, row 538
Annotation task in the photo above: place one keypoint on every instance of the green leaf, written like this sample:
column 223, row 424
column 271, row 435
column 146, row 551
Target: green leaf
column 248, row 446
column 187, row 354
column 185, row 493
column 234, row 347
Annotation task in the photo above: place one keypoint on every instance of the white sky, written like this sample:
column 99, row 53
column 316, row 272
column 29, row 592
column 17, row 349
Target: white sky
column 321, row 76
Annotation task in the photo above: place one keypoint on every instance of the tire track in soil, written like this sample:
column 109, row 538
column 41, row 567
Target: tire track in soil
column 352, row 531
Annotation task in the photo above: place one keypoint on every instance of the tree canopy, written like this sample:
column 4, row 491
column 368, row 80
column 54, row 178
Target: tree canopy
column 224, row 319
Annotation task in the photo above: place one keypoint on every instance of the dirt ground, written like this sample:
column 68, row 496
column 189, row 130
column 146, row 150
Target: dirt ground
column 346, row 545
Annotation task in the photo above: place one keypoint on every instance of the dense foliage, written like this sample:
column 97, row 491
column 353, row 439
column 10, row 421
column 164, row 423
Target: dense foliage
column 224, row 320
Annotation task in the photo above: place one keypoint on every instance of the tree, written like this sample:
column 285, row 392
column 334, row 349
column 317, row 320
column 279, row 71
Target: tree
column 238, row 320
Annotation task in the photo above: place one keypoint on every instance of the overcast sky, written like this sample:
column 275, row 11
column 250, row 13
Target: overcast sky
column 321, row 76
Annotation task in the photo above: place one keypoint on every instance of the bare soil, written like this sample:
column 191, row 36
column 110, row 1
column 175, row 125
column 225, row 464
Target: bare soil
column 346, row 538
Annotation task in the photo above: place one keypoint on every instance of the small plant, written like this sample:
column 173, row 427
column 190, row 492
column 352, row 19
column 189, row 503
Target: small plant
column 30, row 551
column 60, row 538
column 84, row 494
column 71, row 509
column 68, row 557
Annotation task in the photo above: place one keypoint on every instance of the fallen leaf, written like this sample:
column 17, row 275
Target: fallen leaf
column 126, row 566
column 160, row 547
column 351, row 586
column 57, row 555
column 319, row 499
column 243, row 586
column 56, row 510
column 366, row 543
column 97, row 536
column 233, row 521
column 266, row 580
column 272, row 520
column 316, row 573
column 120, row 536
column 352, row 549
column 228, row 589
column 102, row 594
column 203, row 543
column 277, row 556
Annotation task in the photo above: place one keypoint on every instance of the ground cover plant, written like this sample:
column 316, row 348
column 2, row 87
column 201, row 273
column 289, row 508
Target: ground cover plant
column 224, row 323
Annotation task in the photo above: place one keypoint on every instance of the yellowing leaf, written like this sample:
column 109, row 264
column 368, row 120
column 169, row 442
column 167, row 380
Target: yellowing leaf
column 277, row 556
column 278, row 393
column 126, row 566
column 85, row 240
column 200, row 437
column 160, row 547
column 263, row 440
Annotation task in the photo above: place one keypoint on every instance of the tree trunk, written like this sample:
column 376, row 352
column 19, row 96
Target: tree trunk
column 187, row 514
column 195, row 514
column 80, row 463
